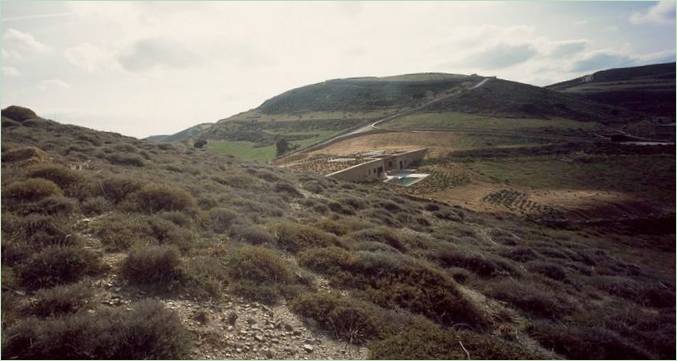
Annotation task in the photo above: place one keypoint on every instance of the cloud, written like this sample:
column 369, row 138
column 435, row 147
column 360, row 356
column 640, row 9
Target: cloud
column 156, row 52
column 89, row 57
column 53, row 84
column 15, row 40
column 502, row 56
column 10, row 71
column 661, row 13
column 567, row 48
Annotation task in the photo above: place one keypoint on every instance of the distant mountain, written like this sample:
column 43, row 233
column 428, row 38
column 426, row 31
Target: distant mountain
column 180, row 136
column 649, row 89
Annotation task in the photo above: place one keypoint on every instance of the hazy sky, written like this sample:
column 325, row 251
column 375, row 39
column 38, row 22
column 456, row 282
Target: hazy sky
column 157, row 68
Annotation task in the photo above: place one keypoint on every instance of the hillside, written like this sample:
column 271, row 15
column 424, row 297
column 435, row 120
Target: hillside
column 185, row 134
column 314, row 113
column 113, row 247
column 648, row 89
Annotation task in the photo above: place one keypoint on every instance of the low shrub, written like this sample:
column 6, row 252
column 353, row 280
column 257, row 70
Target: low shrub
column 259, row 274
column 221, row 219
column 395, row 281
column 207, row 273
column 153, row 198
column 547, row 269
column 60, row 175
column 294, row 237
column 41, row 230
column 251, row 234
column 520, row 254
column 121, row 158
column 116, row 188
column 343, row 225
column 21, row 154
column 153, row 265
column 379, row 234
column 433, row 343
column 179, row 218
column 30, row 190
column 348, row 319
column 584, row 342
column 18, row 113
column 62, row 299
column 286, row 188
column 474, row 262
column 148, row 331
column 94, row 206
column 531, row 298
column 652, row 295
column 55, row 206
column 56, row 265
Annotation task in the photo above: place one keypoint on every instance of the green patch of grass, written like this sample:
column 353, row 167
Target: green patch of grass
column 460, row 121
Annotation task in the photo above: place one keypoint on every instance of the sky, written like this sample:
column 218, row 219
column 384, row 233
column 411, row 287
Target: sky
column 147, row 68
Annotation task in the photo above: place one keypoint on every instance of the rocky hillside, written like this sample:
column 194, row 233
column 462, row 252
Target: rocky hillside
column 114, row 247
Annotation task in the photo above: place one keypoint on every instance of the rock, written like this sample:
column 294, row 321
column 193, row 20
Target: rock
column 268, row 354
column 258, row 338
column 297, row 333
column 251, row 321
column 288, row 327
column 230, row 328
column 308, row 348
column 232, row 317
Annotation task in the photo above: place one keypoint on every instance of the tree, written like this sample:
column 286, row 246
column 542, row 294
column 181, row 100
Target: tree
column 200, row 143
column 282, row 146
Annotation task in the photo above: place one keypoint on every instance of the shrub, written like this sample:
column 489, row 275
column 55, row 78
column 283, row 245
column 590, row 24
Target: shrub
column 153, row 198
column 533, row 299
column 347, row 319
column 56, row 265
column 547, row 269
column 55, row 205
column 380, row 234
column 94, row 206
column 208, row 274
column 117, row 188
column 31, row 190
column 149, row 331
column 342, row 226
column 125, row 159
column 21, row 154
column 259, row 274
column 475, row 262
column 178, row 218
column 251, row 234
column 584, row 342
column 18, row 113
column 281, row 187
column 62, row 299
column 424, row 343
column 394, row 281
column 60, row 175
column 295, row 237
column 153, row 265
column 520, row 254
column 221, row 219
column 41, row 230
column 168, row 233
column 118, row 232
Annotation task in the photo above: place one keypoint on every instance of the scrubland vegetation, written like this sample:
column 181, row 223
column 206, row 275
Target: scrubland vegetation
column 407, row 278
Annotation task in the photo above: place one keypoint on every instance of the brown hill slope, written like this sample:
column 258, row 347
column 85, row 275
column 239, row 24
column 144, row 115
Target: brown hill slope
column 232, row 254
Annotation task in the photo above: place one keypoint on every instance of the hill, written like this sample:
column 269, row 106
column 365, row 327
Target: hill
column 185, row 134
column 119, row 248
column 315, row 113
column 649, row 89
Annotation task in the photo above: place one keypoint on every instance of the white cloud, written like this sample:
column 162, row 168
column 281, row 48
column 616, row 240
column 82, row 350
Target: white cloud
column 147, row 54
column 53, row 84
column 90, row 57
column 661, row 13
column 15, row 40
column 10, row 71
column 11, row 55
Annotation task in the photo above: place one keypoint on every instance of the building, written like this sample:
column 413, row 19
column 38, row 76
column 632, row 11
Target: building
column 375, row 167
